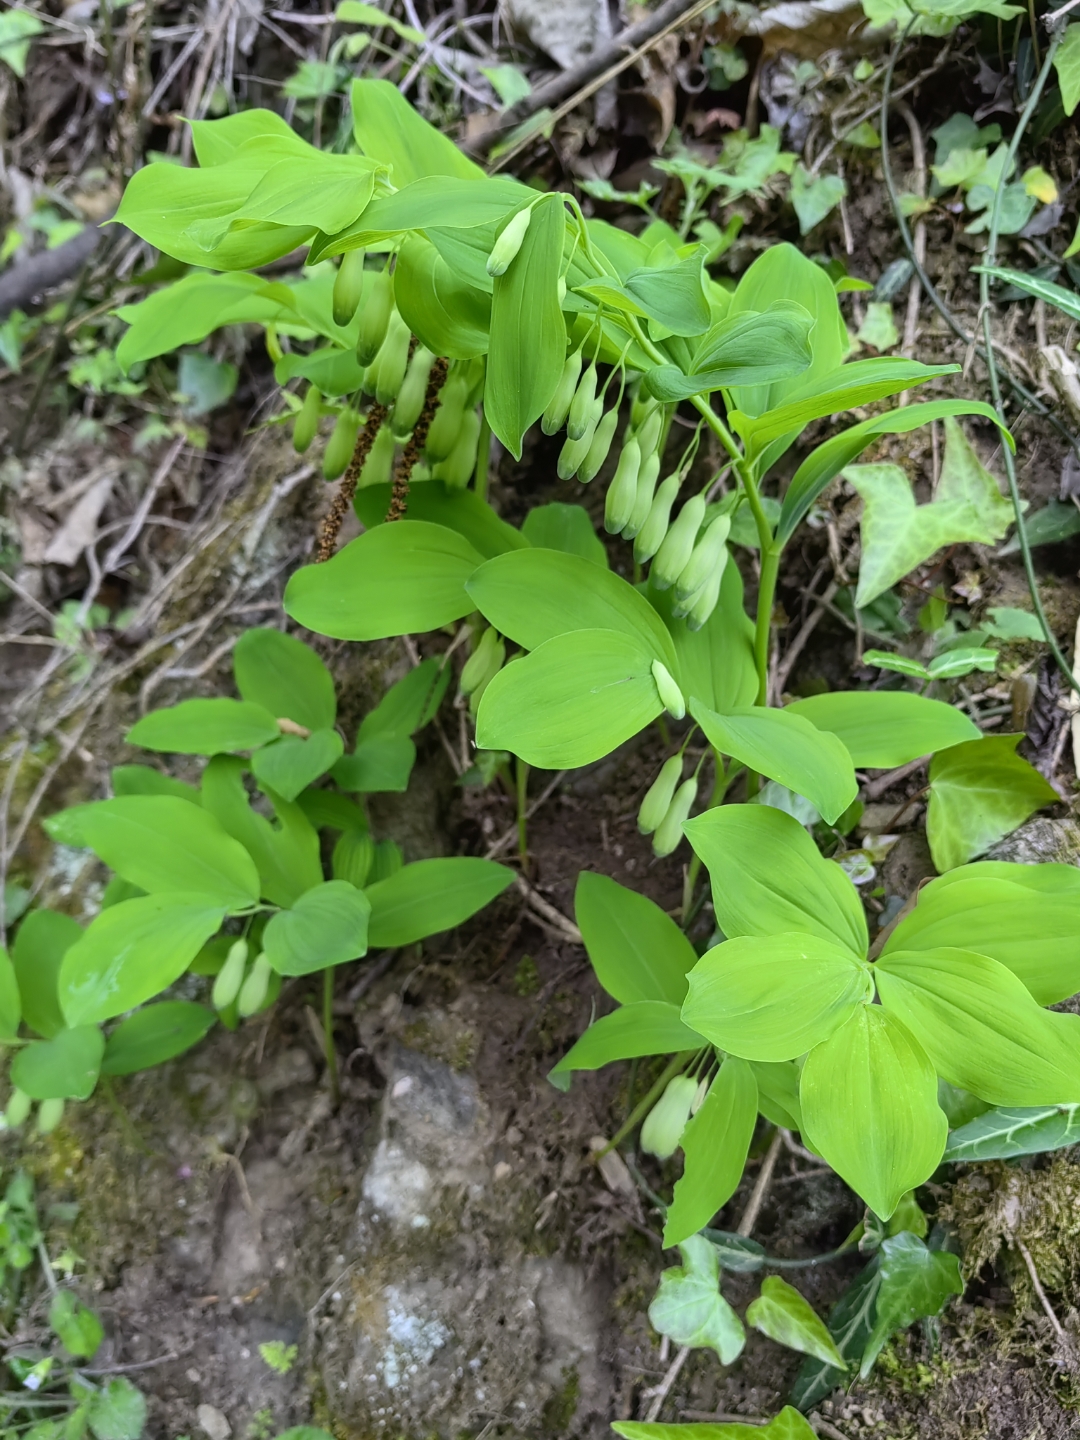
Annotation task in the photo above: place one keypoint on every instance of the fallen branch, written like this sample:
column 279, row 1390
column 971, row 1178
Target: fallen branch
column 600, row 66
column 47, row 269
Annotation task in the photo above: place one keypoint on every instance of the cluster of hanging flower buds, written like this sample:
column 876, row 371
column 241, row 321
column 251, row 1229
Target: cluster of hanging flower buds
column 396, row 373
column 636, row 506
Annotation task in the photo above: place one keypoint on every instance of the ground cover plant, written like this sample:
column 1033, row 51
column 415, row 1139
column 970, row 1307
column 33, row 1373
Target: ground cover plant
column 203, row 881
column 428, row 325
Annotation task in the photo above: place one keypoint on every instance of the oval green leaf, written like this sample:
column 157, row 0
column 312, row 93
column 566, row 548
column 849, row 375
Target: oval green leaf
column 430, row 896
column 774, row 997
column 399, row 579
column 326, row 926
column 205, row 727
column 869, row 1107
column 154, row 1034
column 133, row 951
column 571, row 701
column 63, row 1068
column 787, row 748
column 285, row 677
column 637, row 951
column 882, row 729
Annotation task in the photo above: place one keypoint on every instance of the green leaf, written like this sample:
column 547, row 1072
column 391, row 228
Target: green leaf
column 17, row 29
column 1065, row 300
column 887, row 1133
column 388, row 129
column 447, row 314
column 646, row 1027
column 749, row 349
column 933, row 17
column 784, row 271
column 430, row 896
column 1067, row 65
column 132, row 952
column 535, row 595
column 689, row 1308
column 528, row 336
column 915, row 1282
column 327, row 926
column 286, row 855
column 714, row 1146
column 981, row 1028
column 442, row 202
column 736, row 1253
column 673, row 296
column 814, row 197
column 898, row 535
column 879, row 327
column 117, row 1411
column 637, row 951
column 460, row 510
column 63, row 1068
column 154, row 1034
column 778, row 1092
column 786, row 747
column 77, row 1328
column 782, row 1314
column 1006, row 1133
column 826, row 462
column 216, row 142
column 834, row 391
column 399, row 579
column 291, row 763
column 284, row 677
column 788, row 1425
column 773, row 997
column 352, row 12
column 163, row 844
column 882, row 729
column 382, row 764
column 850, row 1322
column 572, row 700
column 769, row 879
column 1055, row 522
column 1008, row 623
column 187, row 214
column 10, row 1002
column 205, row 727
column 566, row 528
column 980, row 791
column 193, row 308
column 1036, row 936
column 143, row 780
column 43, row 939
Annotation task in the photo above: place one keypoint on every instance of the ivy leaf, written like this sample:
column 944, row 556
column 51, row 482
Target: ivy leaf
column 78, row 1328
column 850, row 1323
column 782, row 1314
column 814, row 199
column 1007, row 1132
column 915, row 1282
column 689, row 1308
column 979, row 792
column 879, row 327
column 17, row 29
column 1067, row 65
column 898, row 535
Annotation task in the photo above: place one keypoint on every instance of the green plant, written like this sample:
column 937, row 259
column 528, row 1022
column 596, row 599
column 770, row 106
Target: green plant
column 519, row 303
column 57, row 1397
column 206, row 881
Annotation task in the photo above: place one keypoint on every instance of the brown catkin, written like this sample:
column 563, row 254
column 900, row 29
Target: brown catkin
column 347, row 489
column 399, row 500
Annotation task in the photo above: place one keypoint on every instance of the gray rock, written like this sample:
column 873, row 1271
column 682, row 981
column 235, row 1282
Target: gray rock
column 213, row 1423
column 446, row 1322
